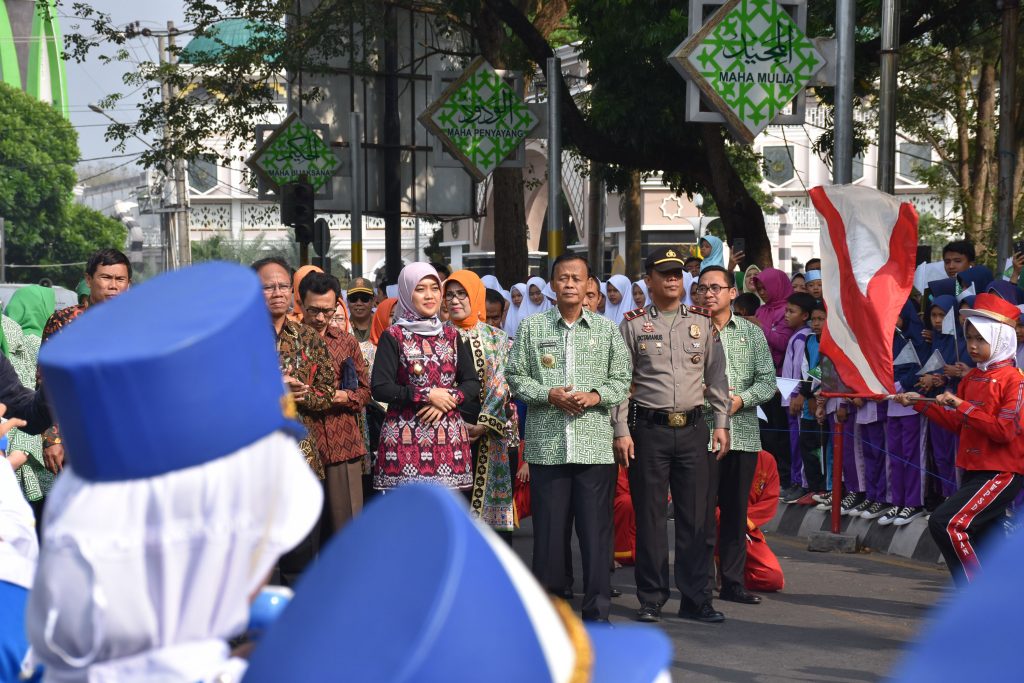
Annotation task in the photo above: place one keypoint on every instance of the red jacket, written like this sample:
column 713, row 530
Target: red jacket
column 988, row 421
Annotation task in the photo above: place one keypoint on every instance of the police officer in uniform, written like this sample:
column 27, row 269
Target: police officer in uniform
column 661, row 435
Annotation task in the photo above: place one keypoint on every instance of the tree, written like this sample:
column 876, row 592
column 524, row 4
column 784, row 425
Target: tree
column 38, row 151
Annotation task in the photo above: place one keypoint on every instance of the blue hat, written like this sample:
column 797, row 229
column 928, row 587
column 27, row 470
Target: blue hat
column 946, row 285
column 174, row 373
column 979, row 626
column 414, row 590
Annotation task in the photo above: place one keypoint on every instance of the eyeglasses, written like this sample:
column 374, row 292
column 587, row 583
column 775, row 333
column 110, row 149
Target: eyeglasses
column 317, row 312
column 452, row 296
column 270, row 289
column 714, row 289
column 360, row 298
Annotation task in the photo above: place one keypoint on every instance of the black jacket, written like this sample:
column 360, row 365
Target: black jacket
column 23, row 403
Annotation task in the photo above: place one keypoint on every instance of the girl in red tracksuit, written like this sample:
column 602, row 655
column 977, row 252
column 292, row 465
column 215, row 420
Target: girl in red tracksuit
column 986, row 413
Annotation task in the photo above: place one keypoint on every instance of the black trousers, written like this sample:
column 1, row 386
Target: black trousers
column 676, row 459
column 294, row 562
column 812, row 452
column 561, row 495
column 775, row 439
column 734, row 474
column 976, row 510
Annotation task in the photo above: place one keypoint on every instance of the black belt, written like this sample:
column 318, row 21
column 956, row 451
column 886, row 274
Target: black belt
column 663, row 418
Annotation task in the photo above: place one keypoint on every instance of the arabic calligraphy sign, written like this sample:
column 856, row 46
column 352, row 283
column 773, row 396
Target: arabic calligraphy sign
column 749, row 60
column 480, row 119
column 295, row 149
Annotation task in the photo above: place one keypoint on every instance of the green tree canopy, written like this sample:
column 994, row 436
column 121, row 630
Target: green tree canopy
column 38, row 150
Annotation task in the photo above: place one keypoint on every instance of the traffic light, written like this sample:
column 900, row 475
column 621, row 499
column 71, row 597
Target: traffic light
column 297, row 209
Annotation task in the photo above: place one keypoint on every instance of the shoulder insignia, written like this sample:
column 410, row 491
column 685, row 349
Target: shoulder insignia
column 635, row 313
column 700, row 310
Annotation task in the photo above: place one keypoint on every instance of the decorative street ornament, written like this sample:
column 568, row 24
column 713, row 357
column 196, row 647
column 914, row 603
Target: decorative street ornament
column 293, row 150
column 750, row 60
column 480, row 119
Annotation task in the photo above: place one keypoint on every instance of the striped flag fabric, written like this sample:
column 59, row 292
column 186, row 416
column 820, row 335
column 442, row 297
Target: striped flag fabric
column 868, row 246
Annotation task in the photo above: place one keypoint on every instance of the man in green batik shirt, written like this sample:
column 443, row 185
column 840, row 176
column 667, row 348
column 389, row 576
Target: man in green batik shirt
column 571, row 367
column 751, row 383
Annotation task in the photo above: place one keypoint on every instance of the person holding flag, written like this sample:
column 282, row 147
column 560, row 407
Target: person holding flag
column 986, row 412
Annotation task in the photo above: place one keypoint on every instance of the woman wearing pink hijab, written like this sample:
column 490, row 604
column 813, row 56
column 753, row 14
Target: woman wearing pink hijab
column 774, row 288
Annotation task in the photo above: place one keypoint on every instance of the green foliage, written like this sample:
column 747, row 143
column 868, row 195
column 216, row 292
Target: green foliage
column 38, row 150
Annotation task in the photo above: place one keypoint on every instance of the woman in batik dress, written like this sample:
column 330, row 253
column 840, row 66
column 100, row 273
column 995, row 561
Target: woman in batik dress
column 496, row 430
column 424, row 373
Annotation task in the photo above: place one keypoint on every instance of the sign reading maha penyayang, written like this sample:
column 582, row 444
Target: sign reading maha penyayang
column 750, row 60
column 480, row 119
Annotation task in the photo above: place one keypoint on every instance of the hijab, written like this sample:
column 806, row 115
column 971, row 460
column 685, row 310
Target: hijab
column 688, row 280
column 31, row 307
column 491, row 282
column 1006, row 291
column 408, row 279
column 752, row 271
column 643, row 288
column 147, row 579
column 716, row 257
column 1002, row 339
column 614, row 312
column 978, row 276
column 529, row 308
column 911, row 332
column 777, row 288
column 381, row 319
column 300, row 274
column 477, row 291
column 951, row 349
column 515, row 313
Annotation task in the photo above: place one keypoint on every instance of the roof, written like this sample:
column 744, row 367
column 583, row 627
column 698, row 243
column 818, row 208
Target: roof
column 225, row 35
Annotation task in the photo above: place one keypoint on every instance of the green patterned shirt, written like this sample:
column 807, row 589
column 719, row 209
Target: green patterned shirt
column 751, row 373
column 589, row 355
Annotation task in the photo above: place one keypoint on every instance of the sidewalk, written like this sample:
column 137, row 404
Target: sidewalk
column 911, row 541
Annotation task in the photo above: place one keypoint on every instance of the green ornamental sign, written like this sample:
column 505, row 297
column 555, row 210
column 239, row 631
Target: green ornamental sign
column 294, row 150
column 749, row 60
column 480, row 119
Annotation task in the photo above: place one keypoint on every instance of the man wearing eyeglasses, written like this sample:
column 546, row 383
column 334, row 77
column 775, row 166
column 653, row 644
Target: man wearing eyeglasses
column 308, row 374
column 751, row 376
column 360, row 308
column 338, row 437
column 662, row 437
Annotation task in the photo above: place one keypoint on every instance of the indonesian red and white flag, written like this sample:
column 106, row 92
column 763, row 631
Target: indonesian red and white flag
column 868, row 247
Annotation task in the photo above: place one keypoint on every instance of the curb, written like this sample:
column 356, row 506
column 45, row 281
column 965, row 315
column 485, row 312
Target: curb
column 911, row 541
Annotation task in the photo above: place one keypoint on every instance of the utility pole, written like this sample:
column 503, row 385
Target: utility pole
column 180, row 180
column 887, row 96
column 392, row 138
column 1007, row 135
column 556, row 242
column 168, row 221
column 842, row 154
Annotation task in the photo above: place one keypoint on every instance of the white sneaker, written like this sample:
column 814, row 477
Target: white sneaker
column 890, row 516
column 908, row 515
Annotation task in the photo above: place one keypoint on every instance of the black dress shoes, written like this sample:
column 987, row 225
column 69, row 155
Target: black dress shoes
column 649, row 613
column 740, row 595
column 615, row 593
column 705, row 613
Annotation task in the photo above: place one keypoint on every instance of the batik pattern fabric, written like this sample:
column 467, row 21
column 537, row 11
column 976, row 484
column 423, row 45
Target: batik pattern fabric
column 303, row 355
column 369, row 350
column 491, row 499
column 410, row 450
column 23, row 350
column 57, row 322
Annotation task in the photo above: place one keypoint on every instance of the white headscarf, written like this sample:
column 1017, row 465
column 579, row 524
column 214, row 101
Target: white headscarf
column 688, row 281
column 515, row 312
column 491, row 282
column 529, row 308
column 1001, row 337
column 643, row 288
column 614, row 312
column 146, row 579
column 19, row 548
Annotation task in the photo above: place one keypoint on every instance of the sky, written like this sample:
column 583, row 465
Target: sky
column 92, row 80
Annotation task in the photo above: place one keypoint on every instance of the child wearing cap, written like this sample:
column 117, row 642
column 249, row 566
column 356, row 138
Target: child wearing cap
column 986, row 412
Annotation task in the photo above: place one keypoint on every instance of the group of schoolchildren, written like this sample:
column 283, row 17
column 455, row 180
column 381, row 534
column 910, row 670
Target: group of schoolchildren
column 898, row 465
